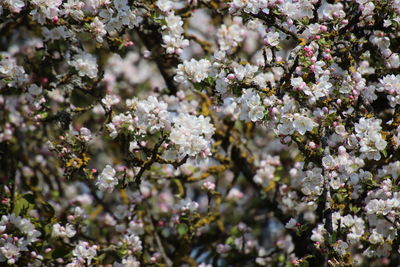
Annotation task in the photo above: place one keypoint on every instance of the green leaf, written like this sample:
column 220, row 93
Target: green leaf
column 229, row 240
column 23, row 203
column 235, row 231
column 182, row 229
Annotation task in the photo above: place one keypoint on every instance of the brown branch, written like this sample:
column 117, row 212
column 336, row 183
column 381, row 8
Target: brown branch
column 161, row 248
column 150, row 34
column 147, row 164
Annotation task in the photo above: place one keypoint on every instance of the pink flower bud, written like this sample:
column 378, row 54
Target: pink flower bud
column 146, row 54
column 312, row 145
column 274, row 110
column 44, row 80
column 178, row 51
column 298, row 70
column 130, row 43
column 210, row 186
column 231, row 76
column 342, row 150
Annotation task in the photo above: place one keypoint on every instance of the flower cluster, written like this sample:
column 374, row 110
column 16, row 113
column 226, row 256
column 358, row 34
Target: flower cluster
column 201, row 133
column 192, row 135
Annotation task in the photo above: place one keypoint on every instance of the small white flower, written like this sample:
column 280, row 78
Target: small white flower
column 251, row 106
column 85, row 134
column 98, row 28
column 106, row 180
column 187, row 205
column 35, row 90
column 110, row 100
column 341, row 247
column 291, row 224
column 84, row 252
column 192, row 135
column 85, row 64
column 10, row 252
column 130, row 262
column 318, row 233
column 193, row 70
column 164, row 5
column 61, row 231
column 272, row 39
column 303, row 124
column 375, row 238
column 14, row 5
column 133, row 242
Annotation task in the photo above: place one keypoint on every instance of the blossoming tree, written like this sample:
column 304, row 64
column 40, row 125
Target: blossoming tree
column 199, row 132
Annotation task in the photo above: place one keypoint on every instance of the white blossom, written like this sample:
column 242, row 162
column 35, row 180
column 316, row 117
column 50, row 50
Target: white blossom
column 192, row 134
column 85, row 64
column 63, row 231
column 84, row 252
column 303, row 124
column 193, row 70
column 107, row 180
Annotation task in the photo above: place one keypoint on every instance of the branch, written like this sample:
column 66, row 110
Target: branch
column 152, row 39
